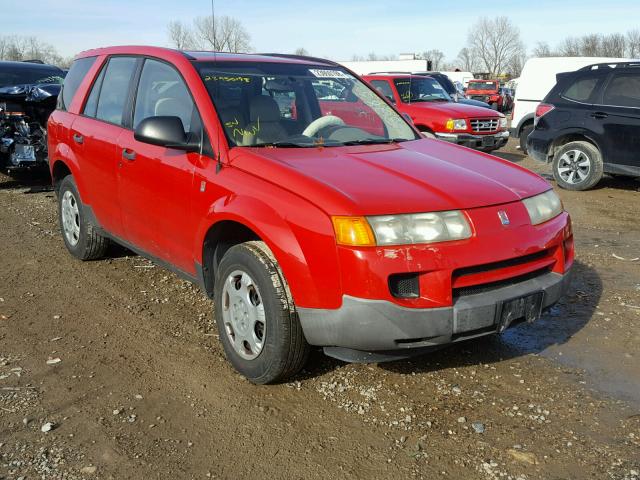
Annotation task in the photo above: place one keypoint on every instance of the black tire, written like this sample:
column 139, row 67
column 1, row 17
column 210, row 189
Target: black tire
column 524, row 133
column 88, row 244
column 284, row 349
column 589, row 163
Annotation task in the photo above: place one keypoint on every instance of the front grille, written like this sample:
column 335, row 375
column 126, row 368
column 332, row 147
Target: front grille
column 404, row 285
column 484, row 125
column 488, row 287
column 511, row 262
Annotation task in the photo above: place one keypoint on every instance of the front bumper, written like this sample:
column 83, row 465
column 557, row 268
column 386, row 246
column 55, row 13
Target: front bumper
column 381, row 326
column 489, row 141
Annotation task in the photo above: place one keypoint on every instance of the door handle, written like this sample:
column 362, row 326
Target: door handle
column 128, row 154
column 599, row 115
column 78, row 138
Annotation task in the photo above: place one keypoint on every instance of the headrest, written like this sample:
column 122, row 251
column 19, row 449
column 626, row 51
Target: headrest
column 264, row 108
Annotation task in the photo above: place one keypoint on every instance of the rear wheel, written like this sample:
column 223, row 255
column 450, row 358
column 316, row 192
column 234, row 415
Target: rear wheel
column 577, row 166
column 257, row 321
column 524, row 133
column 80, row 236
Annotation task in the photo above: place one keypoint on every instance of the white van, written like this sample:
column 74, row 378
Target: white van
column 538, row 77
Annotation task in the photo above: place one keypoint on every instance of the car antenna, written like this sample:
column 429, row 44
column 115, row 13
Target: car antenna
column 215, row 61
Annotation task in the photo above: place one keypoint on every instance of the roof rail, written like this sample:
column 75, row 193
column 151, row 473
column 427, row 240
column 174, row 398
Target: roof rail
column 598, row 66
column 300, row 57
column 35, row 60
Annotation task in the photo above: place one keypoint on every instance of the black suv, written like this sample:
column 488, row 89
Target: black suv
column 589, row 124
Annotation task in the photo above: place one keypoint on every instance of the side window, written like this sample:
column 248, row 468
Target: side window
column 91, row 106
column 115, row 89
column 383, row 87
column 74, row 78
column 623, row 90
column 162, row 92
column 581, row 89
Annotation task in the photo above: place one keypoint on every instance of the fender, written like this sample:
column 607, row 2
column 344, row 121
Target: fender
column 575, row 131
column 314, row 278
column 64, row 154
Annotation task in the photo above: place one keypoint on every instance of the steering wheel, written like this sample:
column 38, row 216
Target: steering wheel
column 320, row 123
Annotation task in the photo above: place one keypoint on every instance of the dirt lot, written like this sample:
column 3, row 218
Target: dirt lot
column 142, row 389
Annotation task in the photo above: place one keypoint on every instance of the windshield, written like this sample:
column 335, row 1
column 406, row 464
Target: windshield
column 482, row 86
column 420, row 90
column 263, row 104
column 22, row 75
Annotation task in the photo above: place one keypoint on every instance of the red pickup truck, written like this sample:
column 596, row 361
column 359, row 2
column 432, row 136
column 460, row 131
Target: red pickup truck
column 348, row 231
column 430, row 108
column 488, row 91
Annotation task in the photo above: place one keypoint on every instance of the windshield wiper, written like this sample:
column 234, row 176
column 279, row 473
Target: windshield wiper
column 284, row 144
column 371, row 141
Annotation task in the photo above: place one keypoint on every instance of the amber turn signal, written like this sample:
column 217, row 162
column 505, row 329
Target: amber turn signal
column 353, row 231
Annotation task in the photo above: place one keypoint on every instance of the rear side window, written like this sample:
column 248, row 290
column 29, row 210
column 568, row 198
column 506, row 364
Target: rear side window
column 114, row 89
column 581, row 89
column 74, row 78
column 91, row 106
column 162, row 91
column 623, row 90
column 383, row 87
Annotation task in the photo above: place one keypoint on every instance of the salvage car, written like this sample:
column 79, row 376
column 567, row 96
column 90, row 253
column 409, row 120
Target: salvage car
column 28, row 95
column 338, row 231
column 487, row 91
column 589, row 125
column 432, row 111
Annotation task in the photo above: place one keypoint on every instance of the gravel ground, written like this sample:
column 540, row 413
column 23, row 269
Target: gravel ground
column 113, row 369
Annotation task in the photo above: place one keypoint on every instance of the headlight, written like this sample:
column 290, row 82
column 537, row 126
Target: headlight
column 453, row 124
column 420, row 228
column 543, row 207
column 503, row 122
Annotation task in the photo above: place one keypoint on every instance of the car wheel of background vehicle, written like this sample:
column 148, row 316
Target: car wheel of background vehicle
column 524, row 133
column 79, row 234
column 257, row 321
column 577, row 166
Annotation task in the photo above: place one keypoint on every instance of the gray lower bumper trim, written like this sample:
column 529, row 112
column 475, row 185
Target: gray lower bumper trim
column 375, row 325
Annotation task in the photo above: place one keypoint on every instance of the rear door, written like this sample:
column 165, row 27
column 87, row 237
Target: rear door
column 619, row 114
column 95, row 132
column 155, row 183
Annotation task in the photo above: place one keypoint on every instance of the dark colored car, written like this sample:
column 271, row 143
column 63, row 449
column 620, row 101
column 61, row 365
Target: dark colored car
column 589, row 125
column 28, row 94
column 451, row 89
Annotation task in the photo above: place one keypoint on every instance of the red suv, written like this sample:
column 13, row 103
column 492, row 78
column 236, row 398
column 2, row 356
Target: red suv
column 488, row 91
column 346, row 231
column 436, row 115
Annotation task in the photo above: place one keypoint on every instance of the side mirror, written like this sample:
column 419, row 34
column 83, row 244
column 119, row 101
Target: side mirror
column 166, row 131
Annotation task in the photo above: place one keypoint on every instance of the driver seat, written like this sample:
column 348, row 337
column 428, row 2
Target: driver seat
column 264, row 122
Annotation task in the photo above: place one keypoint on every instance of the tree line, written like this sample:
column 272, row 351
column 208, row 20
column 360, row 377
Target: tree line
column 20, row 48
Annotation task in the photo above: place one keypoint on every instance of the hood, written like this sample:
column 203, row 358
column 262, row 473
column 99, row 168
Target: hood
column 408, row 177
column 475, row 103
column 31, row 92
column 451, row 109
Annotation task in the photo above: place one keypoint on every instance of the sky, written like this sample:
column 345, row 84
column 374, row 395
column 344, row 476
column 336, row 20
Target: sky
column 336, row 29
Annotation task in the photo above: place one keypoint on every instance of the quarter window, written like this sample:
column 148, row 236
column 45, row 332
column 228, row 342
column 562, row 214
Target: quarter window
column 623, row 90
column 581, row 89
column 115, row 89
column 74, row 78
column 162, row 92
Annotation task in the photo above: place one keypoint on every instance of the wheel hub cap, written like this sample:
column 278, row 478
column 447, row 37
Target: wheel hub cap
column 70, row 218
column 574, row 166
column 243, row 315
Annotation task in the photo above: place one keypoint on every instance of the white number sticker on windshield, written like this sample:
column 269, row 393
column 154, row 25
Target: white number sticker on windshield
column 329, row 73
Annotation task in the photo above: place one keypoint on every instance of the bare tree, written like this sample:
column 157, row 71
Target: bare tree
column 494, row 42
column 466, row 60
column 633, row 44
column 613, row 45
column 542, row 49
column 436, row 57
column 301, row 51
column 180, row 35
column 569, row 47
column 225, row 34
column 590, row 45
column 20, row 48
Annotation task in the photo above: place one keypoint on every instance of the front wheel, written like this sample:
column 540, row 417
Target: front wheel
column 257, row 320
column 577, row 166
